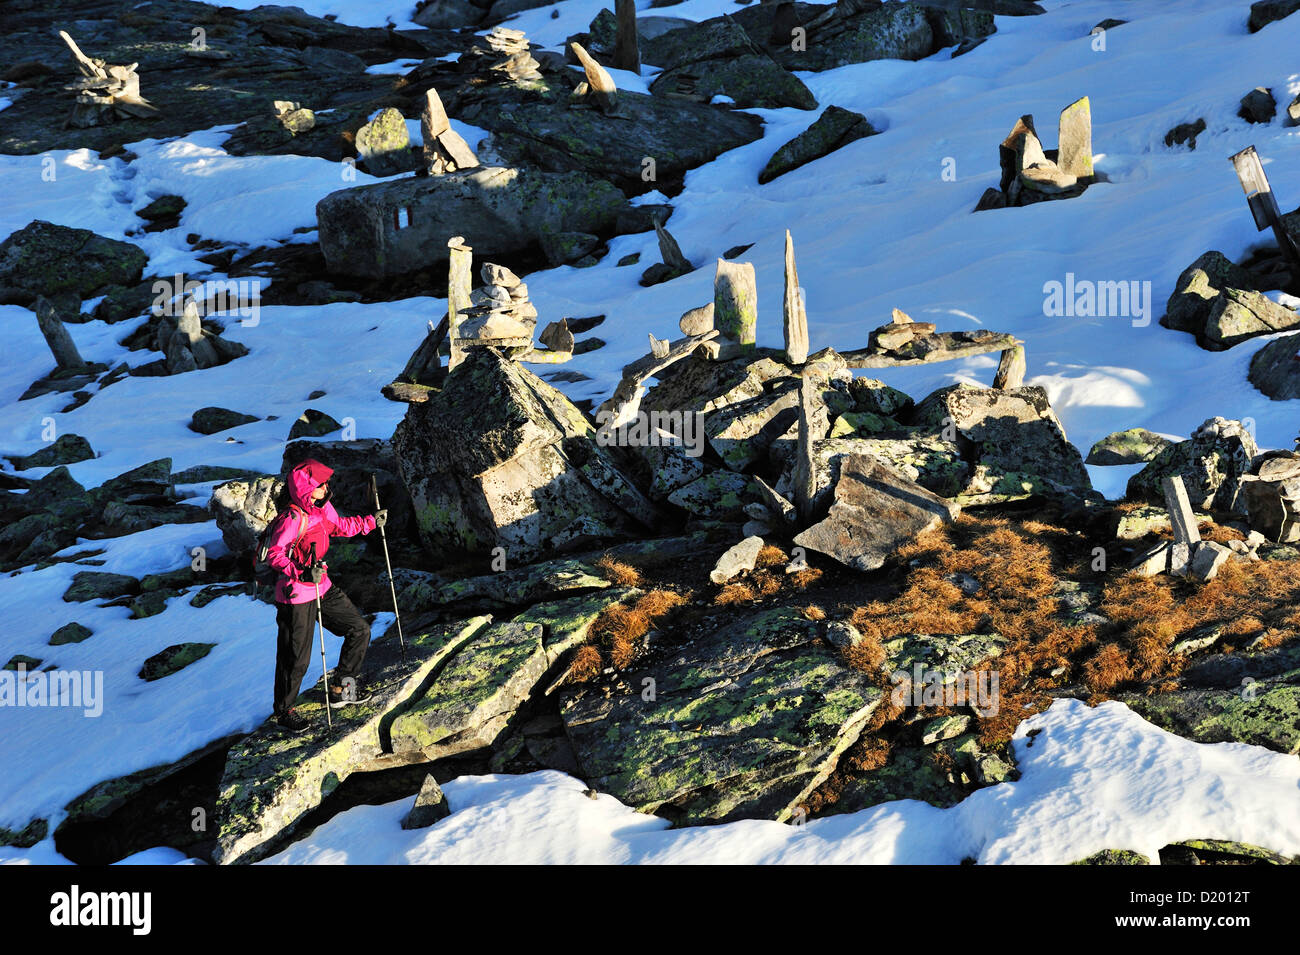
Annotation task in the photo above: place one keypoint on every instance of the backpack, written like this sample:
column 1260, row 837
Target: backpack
column 264, row 574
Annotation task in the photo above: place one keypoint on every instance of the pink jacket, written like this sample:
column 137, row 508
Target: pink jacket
column 290, row 544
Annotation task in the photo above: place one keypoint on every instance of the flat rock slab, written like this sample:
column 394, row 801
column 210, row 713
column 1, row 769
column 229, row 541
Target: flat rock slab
column 745, row 722
column 273, row 778
column 475, row 695
column 420, row 591
column 875, row 511
column 1264, row 712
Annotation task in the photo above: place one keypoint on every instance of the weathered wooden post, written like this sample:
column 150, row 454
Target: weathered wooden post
column 735, row 304
column 1263, row 204
column 627, row 53
column 459, row 282
column 796, row 318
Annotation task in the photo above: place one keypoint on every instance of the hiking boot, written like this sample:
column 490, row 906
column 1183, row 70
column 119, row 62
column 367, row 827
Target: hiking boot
column 356, row 694
column 293, row 721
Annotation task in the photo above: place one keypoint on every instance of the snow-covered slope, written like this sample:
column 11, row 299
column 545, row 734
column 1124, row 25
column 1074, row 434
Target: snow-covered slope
column 876, row 225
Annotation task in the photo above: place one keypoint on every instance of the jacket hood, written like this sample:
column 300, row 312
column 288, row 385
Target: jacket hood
column 304, row 479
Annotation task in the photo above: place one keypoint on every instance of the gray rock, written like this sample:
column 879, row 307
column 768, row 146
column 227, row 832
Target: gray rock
column 1272, row 499
column 47, row 259
column 430, row 806
column 1258, row 106
column 447, row 14
column 1134, row 446
column 1264, row 12
column 384, row 144
column 499, row 211
column 736, row 560
column 65, row 449
column 832, row 130
column 212, row 420
column 243, row 508
column 1210, row 463
column 1207, row 559
column 875, row 511
column 1197, row 290
column 1239, row 314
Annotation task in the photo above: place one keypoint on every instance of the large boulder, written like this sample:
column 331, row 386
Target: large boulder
column 354, row 463
column 1275, row 368
column 498, row 210
column 891, row 31
column 1015, row 442
column 834, row 128
column 1264, row 12
column 243, row 508
column 1211, row 463
column 876, row 510
column 544, row 131
column 1217, row 302
column 744, row 722
column 499, row 458
column 47, row 259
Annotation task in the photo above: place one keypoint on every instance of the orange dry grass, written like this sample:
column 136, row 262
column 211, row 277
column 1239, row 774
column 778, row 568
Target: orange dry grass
column 587, row 664
column 814, row 612
column 770, row 556
column 616, row 572
column 735, row 594
column 620, row 629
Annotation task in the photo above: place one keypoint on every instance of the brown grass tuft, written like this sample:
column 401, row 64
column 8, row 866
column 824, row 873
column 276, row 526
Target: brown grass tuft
column 587, row 664
column 771, row 555
column 814, row 612
column 616, row 572
column 735, row 594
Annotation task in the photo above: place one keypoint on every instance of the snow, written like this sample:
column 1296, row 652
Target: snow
column 1091, row 779
column 876, row 225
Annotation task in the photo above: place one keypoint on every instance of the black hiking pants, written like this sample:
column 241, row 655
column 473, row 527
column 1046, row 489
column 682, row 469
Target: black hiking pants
column 297, row 623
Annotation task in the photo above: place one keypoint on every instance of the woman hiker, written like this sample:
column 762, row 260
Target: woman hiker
column 310, row 521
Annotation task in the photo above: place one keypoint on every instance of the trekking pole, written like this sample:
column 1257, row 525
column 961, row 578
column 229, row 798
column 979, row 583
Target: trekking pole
column 324, row 669
column 374, row 490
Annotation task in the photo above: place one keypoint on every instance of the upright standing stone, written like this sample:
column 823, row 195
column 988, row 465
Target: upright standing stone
column 433, row 123
column 430, row 806
column 1181, row 516
column 735, row 303
column 459, row 282
column 796, row 318
column 813, row 425
column 1011, row 369
column 627, row 53
column 56, row 335
column 670, row 251
column 1074, row 155
column 601, row 84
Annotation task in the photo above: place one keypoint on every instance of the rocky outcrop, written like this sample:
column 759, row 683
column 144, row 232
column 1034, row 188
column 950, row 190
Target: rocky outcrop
column 1018, row 447
column 243, row 508
column 1210, row 463
column 1271, row 494
column 1217, row 302
column 499, row 458
column 271, row 780
column 744, row 722
column 1134, row 446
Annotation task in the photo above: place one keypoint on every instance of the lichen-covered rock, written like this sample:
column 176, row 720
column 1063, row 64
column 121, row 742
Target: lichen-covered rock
column 1239, row 314
column 212, row 420
column 718, row 494
column 1134, row 446
column 743, row 723
column 742, row 432
column 892, row 31
column 242, row 510
column 272, row 779
column 94, row 585
column 470, row 703
column 1018, row 447
column 931, row 462
column 566, row 622
column 420, row 590
column 66, row 449
column 1210, row 463
column 748, row 80
column 173, row 659
column 499, row 458
column 1198, row 289
column 47, row 259
column 833, row 129
column 1114, row 857
column 1270, row 498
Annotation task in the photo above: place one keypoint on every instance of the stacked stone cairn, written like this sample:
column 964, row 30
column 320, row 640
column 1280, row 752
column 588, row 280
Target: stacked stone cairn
column 508, row 53
column 1031, row 174
column 500, row 313
column 105, row 93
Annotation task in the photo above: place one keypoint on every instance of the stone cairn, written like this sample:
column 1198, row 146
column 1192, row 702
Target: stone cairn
column 445, row 150
column 105, row 93
column 1031, row 174
column 508, row 53
column 500, row 313
column 598, row 89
